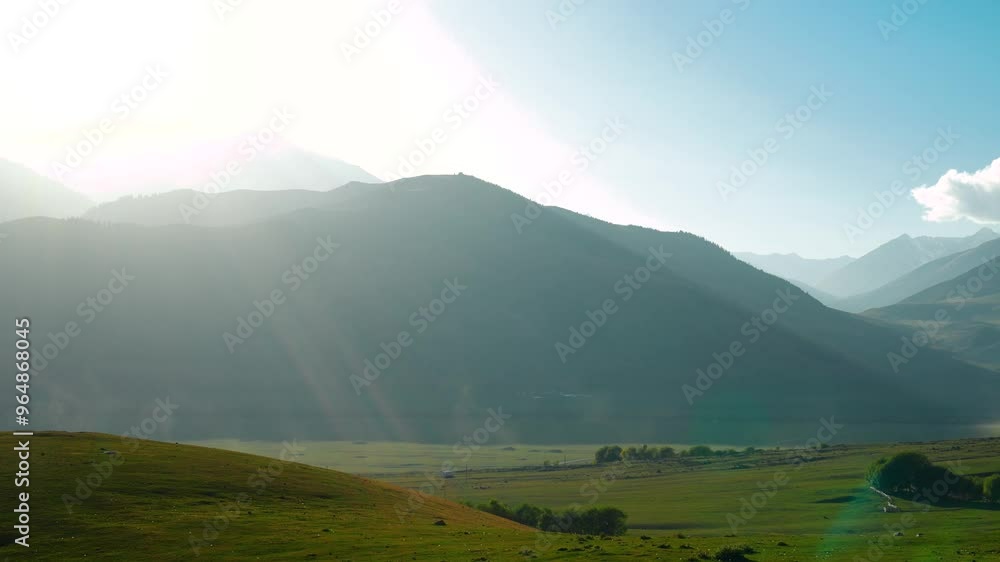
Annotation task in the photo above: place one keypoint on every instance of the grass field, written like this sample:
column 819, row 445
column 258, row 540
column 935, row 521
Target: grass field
column 821, row 508
column 158, row 502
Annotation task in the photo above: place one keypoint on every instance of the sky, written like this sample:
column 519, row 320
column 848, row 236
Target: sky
column 811, row 127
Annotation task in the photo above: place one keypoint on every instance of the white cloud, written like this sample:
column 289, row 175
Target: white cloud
column 956, row 195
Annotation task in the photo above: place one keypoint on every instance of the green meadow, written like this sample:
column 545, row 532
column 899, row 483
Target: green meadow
column 167, row 501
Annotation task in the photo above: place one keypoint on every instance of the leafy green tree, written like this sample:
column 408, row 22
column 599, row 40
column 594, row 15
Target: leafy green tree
column 666, row 453
column 608, row 453
column 497, row 508
column 901, row 473
column 527, row 514
column 700, row 451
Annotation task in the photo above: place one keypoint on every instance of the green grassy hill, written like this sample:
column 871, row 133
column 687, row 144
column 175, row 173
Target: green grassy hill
column 157, row 503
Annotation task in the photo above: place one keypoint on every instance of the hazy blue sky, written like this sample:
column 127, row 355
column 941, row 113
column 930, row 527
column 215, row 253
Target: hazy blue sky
column 543, row 85
column 689, row 127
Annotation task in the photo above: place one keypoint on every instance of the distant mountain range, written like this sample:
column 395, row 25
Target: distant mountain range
column 578, row 329
column 896, row 258
column 899, row 268
column 25, row 193
column 298, row 173
column 187, row 206
column 793, row 266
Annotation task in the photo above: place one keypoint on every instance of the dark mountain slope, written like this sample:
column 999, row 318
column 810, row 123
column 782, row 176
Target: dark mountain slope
column 962, row 315
column 493, row 347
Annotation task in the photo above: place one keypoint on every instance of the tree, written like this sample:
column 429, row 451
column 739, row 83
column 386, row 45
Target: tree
column 527, row 514
column 497, row 508
column 901, row 473
column 700, row 451
column 666, row 452
column 991, row 488
column 608, row 453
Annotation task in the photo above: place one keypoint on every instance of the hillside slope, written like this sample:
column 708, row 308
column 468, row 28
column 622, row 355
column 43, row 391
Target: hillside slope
column 179, row 502
column 299, row 370
column 962, row 314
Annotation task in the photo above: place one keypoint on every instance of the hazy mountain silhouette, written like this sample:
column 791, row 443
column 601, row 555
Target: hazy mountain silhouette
column 894, row 259
column 400, row 246
column 25, row 193
column 938, row 271
column 793, row 266
column 186, row 206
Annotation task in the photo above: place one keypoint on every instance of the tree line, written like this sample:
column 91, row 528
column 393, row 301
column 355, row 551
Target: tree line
column 592, row 521
column 615, row 453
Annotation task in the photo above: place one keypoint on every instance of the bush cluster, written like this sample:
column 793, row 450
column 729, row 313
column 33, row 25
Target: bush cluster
column 615, row 453
column 593, row 521
column 910, row 472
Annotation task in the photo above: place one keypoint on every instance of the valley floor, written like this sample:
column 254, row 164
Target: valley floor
column 165, row 501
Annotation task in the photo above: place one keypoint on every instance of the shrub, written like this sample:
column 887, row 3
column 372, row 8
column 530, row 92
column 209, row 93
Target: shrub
column 734, row 553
